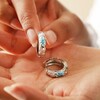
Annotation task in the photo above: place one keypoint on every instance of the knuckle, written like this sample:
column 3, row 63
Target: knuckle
column 26, row 20
column 76, row 20
column 72, row 24
column 73, row 16
column 63, row 23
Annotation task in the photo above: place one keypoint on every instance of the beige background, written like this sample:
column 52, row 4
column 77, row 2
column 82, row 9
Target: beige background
column 80, row 7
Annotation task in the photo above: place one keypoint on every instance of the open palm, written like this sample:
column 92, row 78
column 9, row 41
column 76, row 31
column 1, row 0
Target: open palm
column 82, row 79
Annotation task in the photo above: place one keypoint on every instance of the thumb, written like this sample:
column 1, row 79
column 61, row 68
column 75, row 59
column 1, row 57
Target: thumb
column 61, row 30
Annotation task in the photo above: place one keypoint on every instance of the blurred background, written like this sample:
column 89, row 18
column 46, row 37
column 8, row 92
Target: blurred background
column 79, row 7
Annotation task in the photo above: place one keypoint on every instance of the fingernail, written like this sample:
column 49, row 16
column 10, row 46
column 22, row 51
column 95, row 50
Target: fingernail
column 32, row 37
column 51, row 37
column 16, row 24
column 16, row 94
column 34, row 44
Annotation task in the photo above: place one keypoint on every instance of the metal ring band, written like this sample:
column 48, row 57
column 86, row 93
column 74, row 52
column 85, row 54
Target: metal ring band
column 41, row 45
column 57, row 62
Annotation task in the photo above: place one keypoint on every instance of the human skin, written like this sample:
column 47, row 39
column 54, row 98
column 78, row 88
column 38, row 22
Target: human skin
column 81, row 83
column 55, row 21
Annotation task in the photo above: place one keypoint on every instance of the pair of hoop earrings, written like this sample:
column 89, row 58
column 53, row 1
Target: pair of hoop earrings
column 41, row 51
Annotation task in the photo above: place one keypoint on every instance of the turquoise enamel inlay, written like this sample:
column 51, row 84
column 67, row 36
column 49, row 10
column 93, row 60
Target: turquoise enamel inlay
column 43, row 42
column 59, row 74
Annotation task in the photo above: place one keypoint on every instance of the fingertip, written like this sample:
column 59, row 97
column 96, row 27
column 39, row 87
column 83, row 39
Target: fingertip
column 58, row 91
column 12, row 88
column 7, row 89
column 32, row 36
column 15, row 92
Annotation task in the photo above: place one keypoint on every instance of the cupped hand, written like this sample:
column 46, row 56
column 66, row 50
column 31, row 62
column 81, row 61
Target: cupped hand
column 82, row 81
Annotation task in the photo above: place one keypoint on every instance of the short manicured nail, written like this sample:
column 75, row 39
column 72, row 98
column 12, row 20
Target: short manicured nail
column 32, row 37
column 34, row 44
column 16, row 94
column 51, row 37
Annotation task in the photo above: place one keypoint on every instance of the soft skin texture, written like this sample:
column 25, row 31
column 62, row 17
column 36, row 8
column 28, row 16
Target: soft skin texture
column 81, row 83
column 49, row 16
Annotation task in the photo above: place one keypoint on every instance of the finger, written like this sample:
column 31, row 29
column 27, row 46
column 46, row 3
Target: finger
column 3, row 95
column 22, row 92
column 7, row 60
column 13, row 43
column 61, row 30
column 27, row 14
column 8, row 15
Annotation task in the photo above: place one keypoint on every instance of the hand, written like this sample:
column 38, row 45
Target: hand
column 20, row 15
column 57, row 22
column 13, row 41
column 81, row 82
